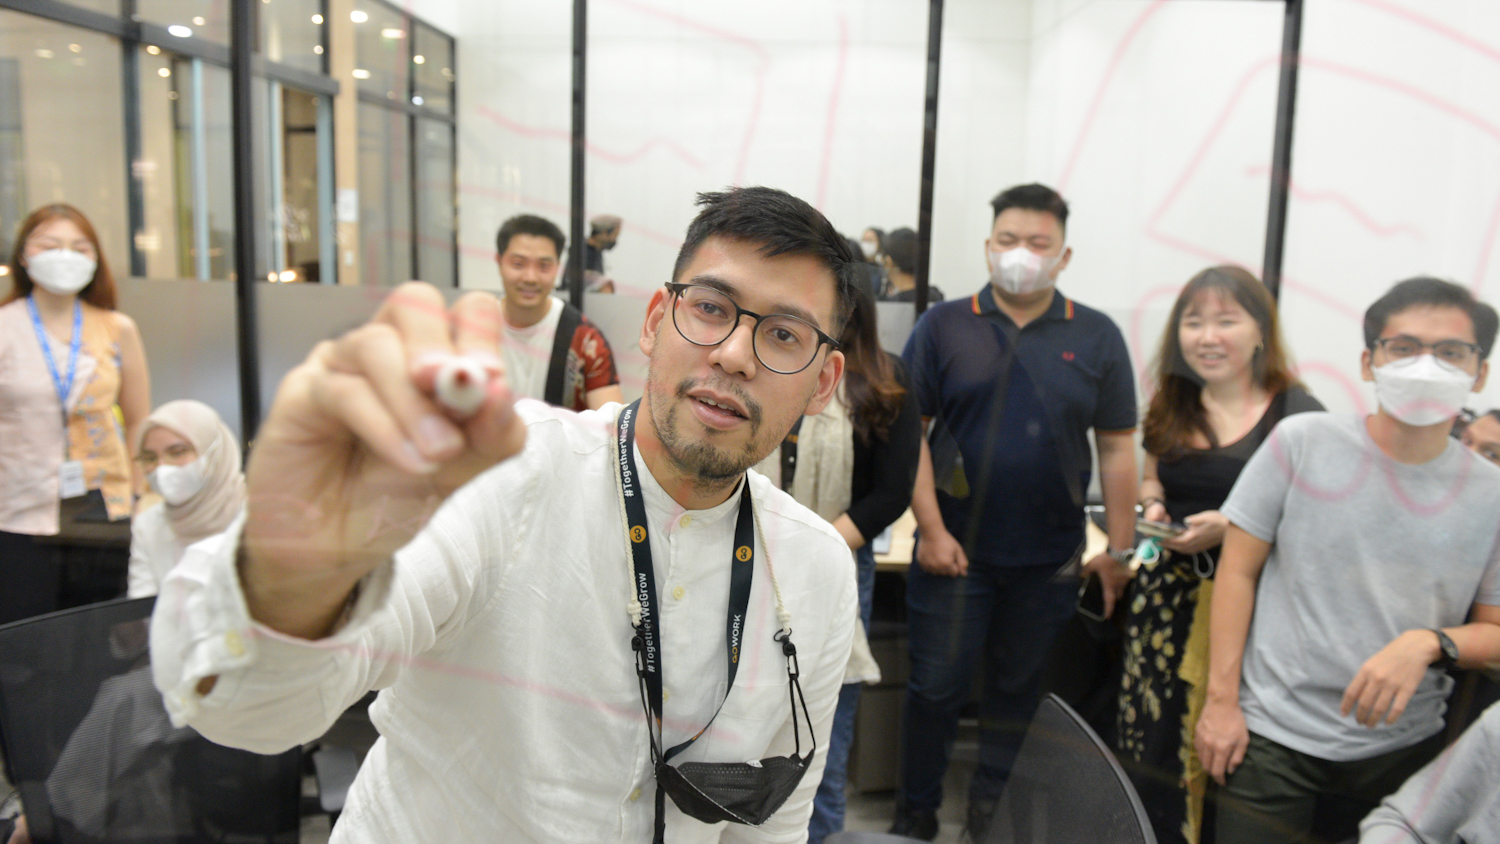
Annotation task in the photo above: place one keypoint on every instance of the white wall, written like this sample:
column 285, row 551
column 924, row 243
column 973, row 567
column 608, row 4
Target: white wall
column 1396, row 166
column 1154, row 118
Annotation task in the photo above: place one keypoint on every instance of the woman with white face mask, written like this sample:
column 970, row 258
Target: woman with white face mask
column 68, row 360
column 192, row 461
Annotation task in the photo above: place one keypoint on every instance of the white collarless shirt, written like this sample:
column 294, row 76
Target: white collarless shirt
column 528, row 350
column 499, row 637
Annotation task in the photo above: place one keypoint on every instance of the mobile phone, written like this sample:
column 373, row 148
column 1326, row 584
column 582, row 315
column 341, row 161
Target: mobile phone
column 1091, row 598
column 1160, row 530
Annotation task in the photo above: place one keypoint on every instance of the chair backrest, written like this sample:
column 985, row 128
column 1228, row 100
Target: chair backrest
column 88, row 744
column 1067, row 786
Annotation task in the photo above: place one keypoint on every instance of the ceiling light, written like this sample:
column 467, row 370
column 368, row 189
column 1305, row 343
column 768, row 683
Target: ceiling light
column 154, row 50
column 45, row 54
column 77, row 48
column 361, row 73
column 318, row 48
column 179, row 30
column 417, row 99
column 392, row 33
column 358, row 16
column 418, row 59
column 164, row 72
column 199, row 21
column 4, row 270
column 288, row 275
column 318, row 19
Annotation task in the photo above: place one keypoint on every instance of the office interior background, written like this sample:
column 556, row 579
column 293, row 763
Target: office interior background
column 391, row 140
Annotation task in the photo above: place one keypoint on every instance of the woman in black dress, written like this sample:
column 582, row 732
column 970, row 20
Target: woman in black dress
column 1223, row 381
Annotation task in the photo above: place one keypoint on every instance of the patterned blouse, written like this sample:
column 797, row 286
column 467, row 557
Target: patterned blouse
column 32, row 441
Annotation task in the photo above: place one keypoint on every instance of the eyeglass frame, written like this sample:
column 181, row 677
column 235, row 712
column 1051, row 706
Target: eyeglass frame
column 677, row 288
column 1381, row 343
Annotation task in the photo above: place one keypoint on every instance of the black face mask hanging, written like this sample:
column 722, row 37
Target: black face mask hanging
column 711, row 792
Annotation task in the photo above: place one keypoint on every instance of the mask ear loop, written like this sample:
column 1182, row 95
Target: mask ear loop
column 1203, row 565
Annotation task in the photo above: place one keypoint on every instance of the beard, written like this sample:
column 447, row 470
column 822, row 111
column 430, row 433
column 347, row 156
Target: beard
column 709, row 466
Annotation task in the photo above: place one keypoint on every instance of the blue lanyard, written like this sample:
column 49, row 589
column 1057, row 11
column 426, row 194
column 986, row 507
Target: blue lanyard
column 64, row 388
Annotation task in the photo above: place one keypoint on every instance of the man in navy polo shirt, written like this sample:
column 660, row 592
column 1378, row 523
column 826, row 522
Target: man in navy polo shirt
column 1009, row 381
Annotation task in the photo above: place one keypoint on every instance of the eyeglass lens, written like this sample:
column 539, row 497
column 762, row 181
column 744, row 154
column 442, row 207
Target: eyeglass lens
column 783, row 343
column 1456, row 352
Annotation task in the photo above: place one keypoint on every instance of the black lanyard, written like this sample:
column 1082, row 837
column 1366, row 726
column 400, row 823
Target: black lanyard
column 647, row 642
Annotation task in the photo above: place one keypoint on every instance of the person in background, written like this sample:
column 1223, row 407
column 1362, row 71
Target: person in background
column 1360, row 563
column 900, row 262
column 192, row 461
column 872, row 244
column 604, row 233
column 1482, row 436
column 854, row 464
column 1456, row 798
column 67, row 358
column 872, row 276
column 1012, row 380
column 552, row 352
column 1223, row 381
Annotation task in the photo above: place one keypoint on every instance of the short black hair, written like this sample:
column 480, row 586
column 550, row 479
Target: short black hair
column 529, row 224
column 901, row 248
column 1426, row 291
column 780, row 224
column 1032, row 197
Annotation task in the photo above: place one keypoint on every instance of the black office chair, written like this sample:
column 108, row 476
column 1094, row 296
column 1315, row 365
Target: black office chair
column 88, row 744
column 1065, row 787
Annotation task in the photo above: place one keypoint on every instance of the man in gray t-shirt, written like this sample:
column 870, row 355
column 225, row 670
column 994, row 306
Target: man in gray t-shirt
column 1357, row 549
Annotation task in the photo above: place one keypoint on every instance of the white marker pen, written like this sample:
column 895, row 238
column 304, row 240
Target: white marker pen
column 461, row 386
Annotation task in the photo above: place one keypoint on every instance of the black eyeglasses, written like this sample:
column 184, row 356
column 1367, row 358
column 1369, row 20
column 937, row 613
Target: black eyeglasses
column 1452, row 352
column 784, row 344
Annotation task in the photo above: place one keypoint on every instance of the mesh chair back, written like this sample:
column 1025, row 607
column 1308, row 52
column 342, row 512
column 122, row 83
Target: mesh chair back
column 1067, row 787
column 88, row 744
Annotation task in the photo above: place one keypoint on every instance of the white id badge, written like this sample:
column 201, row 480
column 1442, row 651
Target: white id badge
column 70, row 479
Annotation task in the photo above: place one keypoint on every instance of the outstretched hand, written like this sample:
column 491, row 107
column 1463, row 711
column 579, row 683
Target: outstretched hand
column 357, row 453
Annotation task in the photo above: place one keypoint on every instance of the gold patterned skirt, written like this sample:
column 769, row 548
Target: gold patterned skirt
column 1162, row 692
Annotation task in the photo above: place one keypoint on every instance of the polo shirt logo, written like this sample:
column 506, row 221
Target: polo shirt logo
column 1067, row 355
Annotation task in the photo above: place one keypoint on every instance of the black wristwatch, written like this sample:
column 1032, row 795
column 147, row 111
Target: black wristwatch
column 1449, row 656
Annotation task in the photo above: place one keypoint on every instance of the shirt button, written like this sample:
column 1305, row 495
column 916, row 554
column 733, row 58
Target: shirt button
column 635, row 795
column 678, row 593
column 685, row 521
column 234, row 643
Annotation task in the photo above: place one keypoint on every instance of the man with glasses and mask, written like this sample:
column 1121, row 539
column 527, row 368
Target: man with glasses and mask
column 591, row 627
column 1010, row 380
column 1361, row 562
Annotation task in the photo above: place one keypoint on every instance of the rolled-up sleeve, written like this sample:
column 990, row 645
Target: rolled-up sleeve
column 275, row 691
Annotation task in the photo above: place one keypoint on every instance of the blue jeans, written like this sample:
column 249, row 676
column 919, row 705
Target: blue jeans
column 1008, row 614
column 828, row 803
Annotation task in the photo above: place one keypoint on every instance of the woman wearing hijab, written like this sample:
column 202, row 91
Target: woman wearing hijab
column 193, row 462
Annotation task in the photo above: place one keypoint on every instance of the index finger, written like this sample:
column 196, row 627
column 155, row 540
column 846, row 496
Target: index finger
column 478, row 324
column 419, row 314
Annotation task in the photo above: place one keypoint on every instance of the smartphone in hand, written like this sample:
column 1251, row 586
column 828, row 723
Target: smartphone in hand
column 1091, row 597
column 1159, row 530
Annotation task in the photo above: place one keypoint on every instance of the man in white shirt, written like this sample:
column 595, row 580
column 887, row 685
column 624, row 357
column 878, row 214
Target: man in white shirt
column 552, row 352
column 513, row 685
